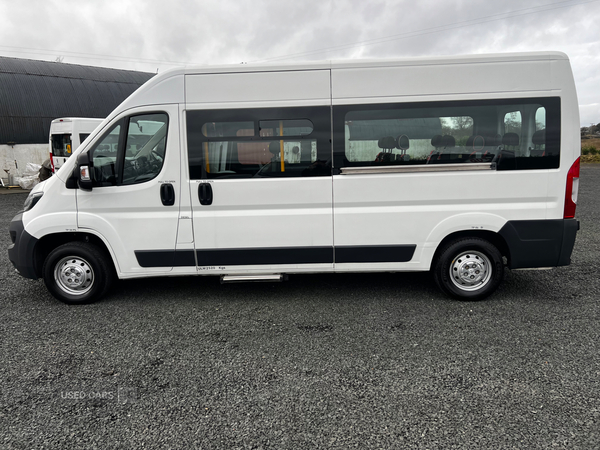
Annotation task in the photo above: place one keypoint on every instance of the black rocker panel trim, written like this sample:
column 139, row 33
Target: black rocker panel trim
column 257, row 256
column 165, row 258
column 283, row 255
column 377, row 254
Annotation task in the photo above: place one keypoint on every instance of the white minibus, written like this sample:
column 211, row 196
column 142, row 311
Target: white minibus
column 461, row 166
column 66, row 135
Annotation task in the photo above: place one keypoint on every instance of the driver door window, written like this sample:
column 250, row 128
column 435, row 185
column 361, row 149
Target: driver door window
column 133, row 153
column 145, row 147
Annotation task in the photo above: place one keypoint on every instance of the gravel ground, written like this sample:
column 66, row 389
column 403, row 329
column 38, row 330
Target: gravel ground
column 321, row 361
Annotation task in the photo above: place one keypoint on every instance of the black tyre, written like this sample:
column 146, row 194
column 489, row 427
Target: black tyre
column 469, row 269
column 78, row 272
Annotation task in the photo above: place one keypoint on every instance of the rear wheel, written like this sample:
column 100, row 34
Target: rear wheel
column 78, row 272
column 469, row 269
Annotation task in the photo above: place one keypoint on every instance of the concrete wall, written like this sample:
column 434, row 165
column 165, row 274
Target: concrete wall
column 22, row 153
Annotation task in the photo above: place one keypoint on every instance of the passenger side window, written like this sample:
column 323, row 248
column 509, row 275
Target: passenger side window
column 258, row 143
column 145, row 147
column 506, row 132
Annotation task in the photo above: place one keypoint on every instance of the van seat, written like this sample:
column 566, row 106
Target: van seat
column 387, row 144
column 539, row 143
column 510, row 140
column 448, row 142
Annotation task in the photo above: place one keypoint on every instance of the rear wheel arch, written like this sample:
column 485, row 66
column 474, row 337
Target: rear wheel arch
column 492, row 237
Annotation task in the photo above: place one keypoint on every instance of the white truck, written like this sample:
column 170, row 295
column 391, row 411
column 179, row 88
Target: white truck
column 66, row 135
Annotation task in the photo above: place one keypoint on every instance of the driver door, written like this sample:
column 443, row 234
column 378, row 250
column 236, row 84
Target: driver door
column 134, row 203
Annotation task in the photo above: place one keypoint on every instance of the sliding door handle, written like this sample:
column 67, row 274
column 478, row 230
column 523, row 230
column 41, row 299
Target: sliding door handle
column 205, row 194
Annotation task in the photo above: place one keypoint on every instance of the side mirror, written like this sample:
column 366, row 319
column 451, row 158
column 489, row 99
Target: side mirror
column 84, row 172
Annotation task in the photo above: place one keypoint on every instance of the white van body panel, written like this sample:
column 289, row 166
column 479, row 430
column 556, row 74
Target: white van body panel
column 424, row 208
column 442, row 79
column 55, row 212
column 312, row 87
column 271, row 213
column 166, row 88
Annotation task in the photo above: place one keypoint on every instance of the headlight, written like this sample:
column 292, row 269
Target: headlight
column 31, row 200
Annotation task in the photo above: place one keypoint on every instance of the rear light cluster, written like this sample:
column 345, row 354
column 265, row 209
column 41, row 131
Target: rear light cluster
column 572, row 190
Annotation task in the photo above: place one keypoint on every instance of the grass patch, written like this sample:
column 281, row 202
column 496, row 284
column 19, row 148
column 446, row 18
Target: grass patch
column 590, row 150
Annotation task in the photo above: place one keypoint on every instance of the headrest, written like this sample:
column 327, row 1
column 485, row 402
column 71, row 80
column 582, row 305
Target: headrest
column 448, row 141
column 274, row 147
column 402, row 142
column 492, row 141
column 436, row 141
column 387, row 142
column 510, row 139
column 539, row 137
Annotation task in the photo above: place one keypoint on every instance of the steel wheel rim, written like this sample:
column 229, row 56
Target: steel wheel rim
column 74, row 275
column 470, row 271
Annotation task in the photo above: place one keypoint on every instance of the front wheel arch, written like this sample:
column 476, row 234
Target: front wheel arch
column 78, row 272
column 49, row 242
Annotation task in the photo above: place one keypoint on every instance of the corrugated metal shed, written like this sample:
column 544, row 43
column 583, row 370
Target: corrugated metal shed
column 33, row 93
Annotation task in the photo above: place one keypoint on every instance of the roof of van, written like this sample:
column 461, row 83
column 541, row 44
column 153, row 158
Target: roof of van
column 334, row 64
column 155, row 91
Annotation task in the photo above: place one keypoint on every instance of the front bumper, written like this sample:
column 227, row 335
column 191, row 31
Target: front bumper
column 22, row 250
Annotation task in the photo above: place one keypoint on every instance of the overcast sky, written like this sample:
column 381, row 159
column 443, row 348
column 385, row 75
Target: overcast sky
column 153, row 35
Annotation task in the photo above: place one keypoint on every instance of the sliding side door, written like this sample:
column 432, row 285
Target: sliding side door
column 259, row 161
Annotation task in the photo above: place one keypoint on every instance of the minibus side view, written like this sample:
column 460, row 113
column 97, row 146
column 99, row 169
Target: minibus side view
column 66, row 135
column 461, row 166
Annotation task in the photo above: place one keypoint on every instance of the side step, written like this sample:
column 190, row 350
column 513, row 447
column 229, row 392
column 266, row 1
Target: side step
column 245, row 278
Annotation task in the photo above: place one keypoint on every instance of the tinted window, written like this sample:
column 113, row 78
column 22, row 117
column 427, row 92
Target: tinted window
column 266, row 142
column 145, row 147
column 61, row 145
column 509, row 132
column 104, row 157
column 132, row 151
column 300, row 127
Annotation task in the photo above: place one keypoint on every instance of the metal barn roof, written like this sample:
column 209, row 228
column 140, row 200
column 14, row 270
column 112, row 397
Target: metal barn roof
column 33, row 93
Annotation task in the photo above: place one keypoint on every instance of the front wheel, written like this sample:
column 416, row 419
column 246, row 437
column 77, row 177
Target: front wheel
column 469, row 269
column 77, row 273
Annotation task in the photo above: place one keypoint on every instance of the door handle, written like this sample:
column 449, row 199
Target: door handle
column 205, row 194
column 167, row 194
